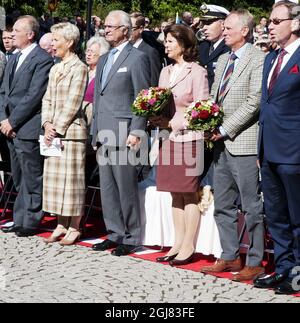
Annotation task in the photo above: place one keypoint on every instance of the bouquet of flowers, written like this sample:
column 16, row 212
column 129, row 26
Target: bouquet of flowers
column 151, row 102
column 204, row 116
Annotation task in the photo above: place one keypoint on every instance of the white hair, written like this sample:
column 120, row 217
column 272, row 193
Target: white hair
column 101, row 41
column 68, row 31
column 124, row 19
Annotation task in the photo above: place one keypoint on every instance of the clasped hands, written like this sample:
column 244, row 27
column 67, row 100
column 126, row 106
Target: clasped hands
column 50, row 133
column 7, row 129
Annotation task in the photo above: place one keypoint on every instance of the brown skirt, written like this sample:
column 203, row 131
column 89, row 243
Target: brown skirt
column 180, row 166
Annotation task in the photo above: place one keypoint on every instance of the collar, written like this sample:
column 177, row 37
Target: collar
column 122, row 46
column 240, row 52
column 217, row 43
column 138, row 43
column 291, row 48
column 28, row 49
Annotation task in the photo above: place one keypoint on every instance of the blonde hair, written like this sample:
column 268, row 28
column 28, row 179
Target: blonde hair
column 69, row 31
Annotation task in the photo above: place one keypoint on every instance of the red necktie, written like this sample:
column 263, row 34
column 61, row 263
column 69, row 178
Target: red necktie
column 277, row 70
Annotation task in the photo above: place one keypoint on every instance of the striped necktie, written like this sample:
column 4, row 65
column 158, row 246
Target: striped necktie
column 277, row 70
column 226, row 78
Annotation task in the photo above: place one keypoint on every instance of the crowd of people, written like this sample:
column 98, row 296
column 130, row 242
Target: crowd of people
column 49, row 96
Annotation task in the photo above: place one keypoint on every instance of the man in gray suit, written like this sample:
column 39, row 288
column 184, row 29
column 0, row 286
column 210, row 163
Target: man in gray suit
column 121, row 74
column 24, row 84
column 237, row 88
column 138, row 26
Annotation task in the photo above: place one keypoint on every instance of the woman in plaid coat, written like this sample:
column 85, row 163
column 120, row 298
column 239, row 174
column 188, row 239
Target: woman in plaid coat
column 63, row 117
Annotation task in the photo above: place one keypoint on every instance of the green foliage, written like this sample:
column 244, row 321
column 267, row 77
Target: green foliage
column 157, row 10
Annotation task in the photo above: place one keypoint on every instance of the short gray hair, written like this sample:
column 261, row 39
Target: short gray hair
column 246, row 20
column 124, row 19
column 101, row 41
column 68, row 31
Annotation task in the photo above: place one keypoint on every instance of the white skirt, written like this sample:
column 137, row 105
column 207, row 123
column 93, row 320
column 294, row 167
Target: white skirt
column 157, row 221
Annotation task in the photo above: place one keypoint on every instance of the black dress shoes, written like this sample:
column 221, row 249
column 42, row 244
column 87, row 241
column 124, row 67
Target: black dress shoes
column 106, row 244
column 176, row 262
column 124, row 250
column 269, row 281
column 12, row 229
column 166, row 258
column 286, row 287
column 23, row 233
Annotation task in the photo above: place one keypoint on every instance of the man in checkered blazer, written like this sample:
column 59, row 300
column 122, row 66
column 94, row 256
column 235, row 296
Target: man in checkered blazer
column 237, row 89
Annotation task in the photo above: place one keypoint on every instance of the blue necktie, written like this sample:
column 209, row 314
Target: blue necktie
column 108, row 66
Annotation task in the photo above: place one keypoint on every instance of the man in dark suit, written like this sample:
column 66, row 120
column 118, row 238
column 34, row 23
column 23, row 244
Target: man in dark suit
column 214, row 45
column 138, row 26
column 121, row 75
column 279, row 147
column 25, row 82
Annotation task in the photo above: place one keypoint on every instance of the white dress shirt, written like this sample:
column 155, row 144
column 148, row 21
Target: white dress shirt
column 120, row 48
column 25, row 52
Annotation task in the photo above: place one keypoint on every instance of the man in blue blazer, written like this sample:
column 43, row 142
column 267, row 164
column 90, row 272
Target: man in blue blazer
column 279, row 147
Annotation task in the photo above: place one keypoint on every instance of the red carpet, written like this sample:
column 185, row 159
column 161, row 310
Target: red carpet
column 95, row 230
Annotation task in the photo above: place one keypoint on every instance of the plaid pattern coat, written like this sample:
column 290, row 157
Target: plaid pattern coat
column 64, row 177
column 62, row 102
column 242, row 99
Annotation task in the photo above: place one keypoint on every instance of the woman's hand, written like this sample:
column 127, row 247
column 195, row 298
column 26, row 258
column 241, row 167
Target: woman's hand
column 50, row 133
column 159, row 121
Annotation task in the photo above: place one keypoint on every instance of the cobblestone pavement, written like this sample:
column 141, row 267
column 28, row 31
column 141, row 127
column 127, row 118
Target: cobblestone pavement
column 31, row 271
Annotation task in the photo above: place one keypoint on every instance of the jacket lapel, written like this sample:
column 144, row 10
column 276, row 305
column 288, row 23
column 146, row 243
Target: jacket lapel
column 222, row 63
column 216, row 53
column 240, row 68
column 23, row 67
column 270, row 60
column 282, row 76
column 184, row 73
column 123, row 55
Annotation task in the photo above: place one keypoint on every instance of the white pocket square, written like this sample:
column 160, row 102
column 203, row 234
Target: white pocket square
column 122, row 70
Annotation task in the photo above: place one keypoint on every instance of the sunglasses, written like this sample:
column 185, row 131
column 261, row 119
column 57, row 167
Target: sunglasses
column 277, row 21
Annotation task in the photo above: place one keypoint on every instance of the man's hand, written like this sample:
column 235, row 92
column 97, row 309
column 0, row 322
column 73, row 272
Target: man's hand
column 7, row 129
column 133, row 142
column 216, row 135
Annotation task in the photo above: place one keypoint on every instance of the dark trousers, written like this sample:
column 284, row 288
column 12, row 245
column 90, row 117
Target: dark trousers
column 281, row 188
column 27, row 170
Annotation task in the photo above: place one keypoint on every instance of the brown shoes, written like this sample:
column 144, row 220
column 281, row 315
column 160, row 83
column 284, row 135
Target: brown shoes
column 222, row 265
column 249, row 273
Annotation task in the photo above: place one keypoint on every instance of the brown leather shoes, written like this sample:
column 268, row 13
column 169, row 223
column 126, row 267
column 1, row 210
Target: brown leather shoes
column 249, row 273
column 222, row 265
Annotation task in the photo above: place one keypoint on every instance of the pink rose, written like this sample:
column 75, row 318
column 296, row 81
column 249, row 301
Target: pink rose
column 195, row 114
column 215, row 109
column 152, row 101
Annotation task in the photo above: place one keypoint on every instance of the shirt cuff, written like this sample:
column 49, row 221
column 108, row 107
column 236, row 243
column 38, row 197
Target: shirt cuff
column 223, row 132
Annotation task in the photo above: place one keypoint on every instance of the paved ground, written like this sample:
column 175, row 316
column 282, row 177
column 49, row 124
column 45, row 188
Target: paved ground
column 30, row 271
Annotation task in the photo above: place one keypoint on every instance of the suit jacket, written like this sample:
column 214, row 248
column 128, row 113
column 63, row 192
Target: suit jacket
column 155, row 62
column 21, row 102
column 209, row 61
column 191, row 85
column 280, row 113
column 62, row 103
column 2, row 66
column 112, row 103
column 241, row 102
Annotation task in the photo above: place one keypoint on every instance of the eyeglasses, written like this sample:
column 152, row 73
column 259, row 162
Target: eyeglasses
column 277, row 21
column 112, row 27
column 89, row 51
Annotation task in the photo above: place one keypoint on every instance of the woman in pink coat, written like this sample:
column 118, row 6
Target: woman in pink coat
column 181, row 156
